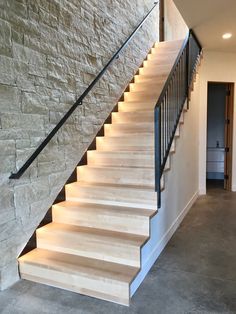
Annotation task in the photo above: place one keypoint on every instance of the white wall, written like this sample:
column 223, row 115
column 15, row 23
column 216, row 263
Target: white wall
column 221, row 67
column 181, row 181
column 181, row 189
column 175, row 27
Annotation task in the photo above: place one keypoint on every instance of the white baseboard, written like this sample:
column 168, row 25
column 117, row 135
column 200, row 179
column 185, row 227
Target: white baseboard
column 150, row 260
column 202, row 190
column 233, row 188
column 169, row 233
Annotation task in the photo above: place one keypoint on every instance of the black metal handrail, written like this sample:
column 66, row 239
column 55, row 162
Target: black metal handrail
column 170, row 104
column 79, row 102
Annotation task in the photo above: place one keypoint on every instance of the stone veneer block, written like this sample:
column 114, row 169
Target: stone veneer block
column 49, row 52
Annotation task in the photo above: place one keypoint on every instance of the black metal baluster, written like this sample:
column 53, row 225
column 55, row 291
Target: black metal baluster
column 165, row 121
column 168, row 116
column 170, row 104
column 162, row 133
column 178, row 85
column 175, row 101
column 158, row 153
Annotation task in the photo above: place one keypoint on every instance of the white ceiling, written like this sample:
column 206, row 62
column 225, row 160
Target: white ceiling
column 210, row 19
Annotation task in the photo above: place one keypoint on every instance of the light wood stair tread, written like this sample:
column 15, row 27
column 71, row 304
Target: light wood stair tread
column 149, row 113
column 155, row 84
column 151, row 76
column 170, row 43
column 115, row 210
column 133, row 135
column 127, row 135
column 134, row 152
column 123, row 168
column 118, row 175
column 112, row 194
column 134, row 124
column 133, row 102
column 110, row 186
column 106, row 217
column 110, row 169
column 137, row 107
column 121, row 158
column 72, row 264
column 161, row 52
column 73, row 235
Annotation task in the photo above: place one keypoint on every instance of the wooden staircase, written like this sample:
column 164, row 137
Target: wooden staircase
column 94, row 244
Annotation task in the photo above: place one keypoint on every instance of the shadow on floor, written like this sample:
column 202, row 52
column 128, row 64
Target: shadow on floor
column 214, row 184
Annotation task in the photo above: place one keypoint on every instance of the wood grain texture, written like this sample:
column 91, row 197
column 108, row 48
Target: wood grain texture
column 93, row 246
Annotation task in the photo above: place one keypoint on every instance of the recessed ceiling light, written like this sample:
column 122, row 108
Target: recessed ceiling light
column 227, row 36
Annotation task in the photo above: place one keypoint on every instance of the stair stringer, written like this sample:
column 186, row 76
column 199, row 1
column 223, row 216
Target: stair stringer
column 159, row 237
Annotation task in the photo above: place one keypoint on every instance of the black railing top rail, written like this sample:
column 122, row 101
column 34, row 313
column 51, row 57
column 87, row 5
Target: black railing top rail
column 79, row 101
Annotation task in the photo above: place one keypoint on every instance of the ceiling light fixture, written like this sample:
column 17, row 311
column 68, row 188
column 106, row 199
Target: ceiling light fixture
column 227, row 36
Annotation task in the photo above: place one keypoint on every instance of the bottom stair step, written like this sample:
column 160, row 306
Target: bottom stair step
column 115, row 247
column 103, row 280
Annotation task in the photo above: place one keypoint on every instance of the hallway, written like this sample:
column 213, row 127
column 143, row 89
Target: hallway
column 196, row 273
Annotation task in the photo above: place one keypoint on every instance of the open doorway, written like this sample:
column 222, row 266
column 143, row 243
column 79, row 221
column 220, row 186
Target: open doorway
column 219, row 134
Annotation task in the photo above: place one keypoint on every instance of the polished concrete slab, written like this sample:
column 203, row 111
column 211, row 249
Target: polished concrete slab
column 196, row 273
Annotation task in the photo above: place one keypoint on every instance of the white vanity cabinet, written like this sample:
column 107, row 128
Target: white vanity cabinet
column 215, row 163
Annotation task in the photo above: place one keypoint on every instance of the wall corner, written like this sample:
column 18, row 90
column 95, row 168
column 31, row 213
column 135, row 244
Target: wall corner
column 9, row 275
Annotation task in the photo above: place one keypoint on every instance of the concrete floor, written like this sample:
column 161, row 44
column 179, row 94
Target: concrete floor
column 196, row 273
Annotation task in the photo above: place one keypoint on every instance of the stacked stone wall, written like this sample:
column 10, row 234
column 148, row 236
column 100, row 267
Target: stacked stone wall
column 50, row 50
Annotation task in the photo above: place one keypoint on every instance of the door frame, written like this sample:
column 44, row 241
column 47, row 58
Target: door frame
column 161, row 20
column 228, row 132
column 229, row 112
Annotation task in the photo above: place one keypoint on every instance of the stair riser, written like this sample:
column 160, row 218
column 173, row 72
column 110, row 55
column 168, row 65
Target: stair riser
column 130, row 117
column 118, row 130
column 106, row 221
column 134, row 116
column 150, row 79
column 90, row 248
column 132, row 107
column 155, row 71
column 158, row 62
column 105, row 146
column 126, row 176
column 168, row 45
column 142, row 96
column 112, row 196
column 117, row 292
column 125, row 144
column 145, row 87
column 161, row 57
column 157, row 51
column 122, row 160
